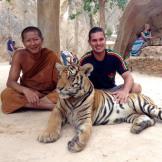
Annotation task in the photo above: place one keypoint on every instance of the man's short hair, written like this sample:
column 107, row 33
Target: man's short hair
column 95, row 30
column 31, row 29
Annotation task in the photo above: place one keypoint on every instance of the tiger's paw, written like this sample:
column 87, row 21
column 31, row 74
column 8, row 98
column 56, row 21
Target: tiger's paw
column 48, row 137
column 136, row 129
column 141, row 123
column 74, row 145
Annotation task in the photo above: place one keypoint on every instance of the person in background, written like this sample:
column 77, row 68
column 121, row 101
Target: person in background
column 35, row 89
column 10, row 48
column 65, row 56
column 146, row 33
column 105, row 65
column 14, row 45
column 137, row 46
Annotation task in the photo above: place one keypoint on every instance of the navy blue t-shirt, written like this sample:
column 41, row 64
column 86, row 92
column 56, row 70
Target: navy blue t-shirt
column 103, row 74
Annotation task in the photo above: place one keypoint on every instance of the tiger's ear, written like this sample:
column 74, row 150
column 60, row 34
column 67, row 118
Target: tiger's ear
column 59, row 67
column 87, row 69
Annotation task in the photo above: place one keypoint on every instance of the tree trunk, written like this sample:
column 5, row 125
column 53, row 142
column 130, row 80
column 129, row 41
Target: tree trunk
column 76, row 41
column 91, row 20
column 48, row 22
column 102, row 13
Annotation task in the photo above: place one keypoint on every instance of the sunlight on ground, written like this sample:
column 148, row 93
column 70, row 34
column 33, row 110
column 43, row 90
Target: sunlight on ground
column 19, row 131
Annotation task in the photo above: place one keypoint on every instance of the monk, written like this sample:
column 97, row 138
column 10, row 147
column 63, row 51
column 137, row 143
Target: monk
column 33, row 77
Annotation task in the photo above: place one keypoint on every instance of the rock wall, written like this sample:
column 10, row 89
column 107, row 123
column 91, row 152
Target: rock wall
column 14, row 16
column 136, row 14
column 149, row 61
column 150, row 66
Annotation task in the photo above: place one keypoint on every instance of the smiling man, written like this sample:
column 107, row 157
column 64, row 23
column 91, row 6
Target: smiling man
column 35, row 87
column 106, row 63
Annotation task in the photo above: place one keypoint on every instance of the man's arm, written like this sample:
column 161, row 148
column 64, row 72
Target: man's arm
column 12, row 82
column 122, row 94
column 128, row 81
column 146, row 37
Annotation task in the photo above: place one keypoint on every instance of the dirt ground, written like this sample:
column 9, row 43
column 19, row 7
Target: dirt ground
column 110, row 143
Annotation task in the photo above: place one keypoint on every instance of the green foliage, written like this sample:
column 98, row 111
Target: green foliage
column 120, row 3
column 8, row 1
column 108, row 32
column 91, row 6
column 74, row 15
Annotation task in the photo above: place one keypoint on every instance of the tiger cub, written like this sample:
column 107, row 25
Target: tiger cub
column 83, row 106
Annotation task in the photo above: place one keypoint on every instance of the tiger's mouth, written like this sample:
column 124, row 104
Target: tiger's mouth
column 66, row 94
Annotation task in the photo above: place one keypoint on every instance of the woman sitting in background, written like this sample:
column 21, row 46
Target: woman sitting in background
column 146, row 33
column 143, row 39
column 137, row 46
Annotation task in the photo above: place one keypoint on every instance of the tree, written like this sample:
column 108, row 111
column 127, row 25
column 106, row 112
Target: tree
column 48, row 21
column 93, row 6
column 72, row 7
column 120, row 3
column 102, row 13
column 88, row 6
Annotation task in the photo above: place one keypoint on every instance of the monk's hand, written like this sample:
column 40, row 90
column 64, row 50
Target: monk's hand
column 39, row 94
column 120, row 96
column 31, row 95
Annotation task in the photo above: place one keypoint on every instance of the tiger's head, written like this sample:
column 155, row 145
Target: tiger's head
column 73, row 80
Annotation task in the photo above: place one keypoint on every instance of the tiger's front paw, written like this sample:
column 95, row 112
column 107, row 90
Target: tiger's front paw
column 48, row 137
column 75, row 145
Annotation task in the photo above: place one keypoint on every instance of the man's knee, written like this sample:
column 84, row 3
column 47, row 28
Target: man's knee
column 136, row 88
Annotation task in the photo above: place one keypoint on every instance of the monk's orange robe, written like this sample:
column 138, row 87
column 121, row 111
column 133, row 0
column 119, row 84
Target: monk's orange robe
column 42, row 76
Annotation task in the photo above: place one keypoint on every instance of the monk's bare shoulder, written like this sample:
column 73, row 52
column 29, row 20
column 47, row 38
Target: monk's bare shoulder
column 17, row 63
column 20, row 54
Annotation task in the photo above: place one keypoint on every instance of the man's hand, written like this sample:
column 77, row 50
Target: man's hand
column 32, row 96
column 121, row 96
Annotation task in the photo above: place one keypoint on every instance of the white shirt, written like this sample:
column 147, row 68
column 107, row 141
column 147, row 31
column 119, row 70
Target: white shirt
column 67, row 54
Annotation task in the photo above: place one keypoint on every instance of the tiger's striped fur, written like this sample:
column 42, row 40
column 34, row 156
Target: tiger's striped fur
column 83, row 106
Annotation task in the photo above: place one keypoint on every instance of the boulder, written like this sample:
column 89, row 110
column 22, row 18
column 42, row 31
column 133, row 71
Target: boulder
column 136, row 14
column 146, row 65
column 152, row 51
column 149, row 61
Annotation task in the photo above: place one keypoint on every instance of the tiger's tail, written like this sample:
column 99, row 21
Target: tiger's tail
column 152, row 111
